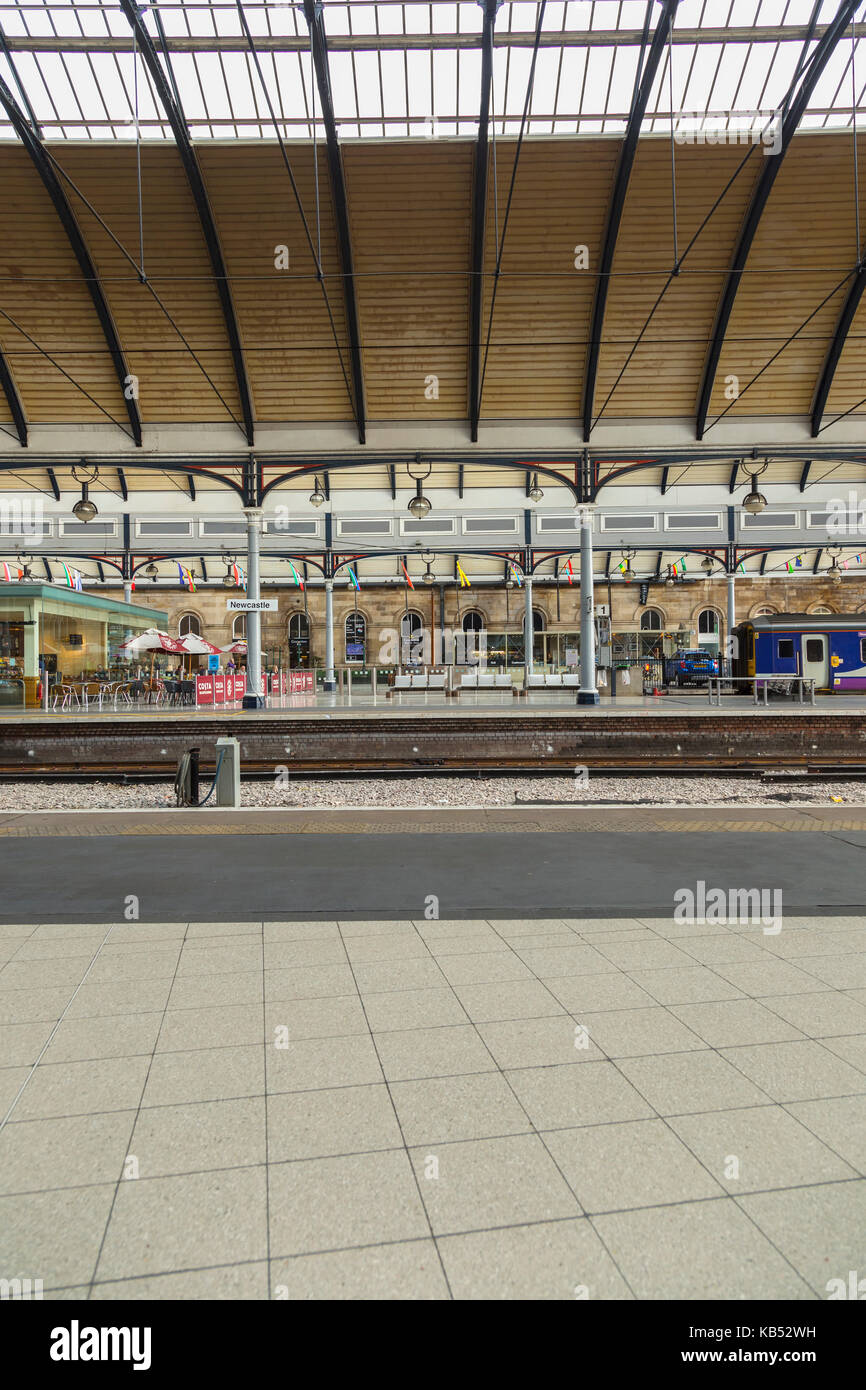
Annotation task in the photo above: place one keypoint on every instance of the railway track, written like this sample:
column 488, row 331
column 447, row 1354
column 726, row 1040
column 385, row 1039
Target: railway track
column 629, row 745
column 129, row 775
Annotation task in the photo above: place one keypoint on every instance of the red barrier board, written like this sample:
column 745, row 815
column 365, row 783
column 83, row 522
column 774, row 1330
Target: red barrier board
column 204, row 690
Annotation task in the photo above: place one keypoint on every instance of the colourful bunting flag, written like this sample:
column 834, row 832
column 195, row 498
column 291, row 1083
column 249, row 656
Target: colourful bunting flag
column 186, row 577
column 299, row 583
column 353, row 578
column 464, row 582
column 406, row 572
column 569, row 571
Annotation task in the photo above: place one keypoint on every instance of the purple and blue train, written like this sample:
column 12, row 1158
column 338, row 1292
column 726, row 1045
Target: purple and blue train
column 829, row 648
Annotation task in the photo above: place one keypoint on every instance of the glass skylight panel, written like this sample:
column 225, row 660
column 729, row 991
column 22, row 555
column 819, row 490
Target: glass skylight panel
column 378, row 50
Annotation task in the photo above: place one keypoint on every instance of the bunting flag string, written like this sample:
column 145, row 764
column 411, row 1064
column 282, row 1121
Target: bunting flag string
column 353, row 578
column 299, row 583
column 461, row 575
column 406, row 572
column 516, row 575
column 186, row 577
column 239, row 576
column 569, row 571
column 73, row 577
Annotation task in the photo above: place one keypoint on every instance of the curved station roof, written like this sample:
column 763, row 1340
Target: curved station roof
column 615, row 243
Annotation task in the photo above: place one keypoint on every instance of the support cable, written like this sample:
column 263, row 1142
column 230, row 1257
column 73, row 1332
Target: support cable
column 498, row 269
column 147, row 284
column 797, row 331
column 63, row 372
column 281, row 142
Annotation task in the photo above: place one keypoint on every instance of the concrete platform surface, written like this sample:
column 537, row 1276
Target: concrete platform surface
column 491, row 702
column 527, row 862
column 433, row 1109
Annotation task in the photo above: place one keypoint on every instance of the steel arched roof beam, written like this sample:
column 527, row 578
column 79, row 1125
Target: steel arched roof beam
column 479, row 218
column 837, row 344
column 53, row 187
column 16, row 405
column 627, row 154
column 155, row 465
column 311, row 469
column 171, row 105
column 313, row 14
column 772, row 164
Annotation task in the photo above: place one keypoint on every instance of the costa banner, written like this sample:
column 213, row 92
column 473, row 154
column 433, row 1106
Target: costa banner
column 204, row 690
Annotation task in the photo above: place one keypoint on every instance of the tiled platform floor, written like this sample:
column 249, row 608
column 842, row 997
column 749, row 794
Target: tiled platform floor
column 434, row 1126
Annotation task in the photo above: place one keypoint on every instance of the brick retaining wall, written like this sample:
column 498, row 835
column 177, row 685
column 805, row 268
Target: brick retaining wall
column 429, row 742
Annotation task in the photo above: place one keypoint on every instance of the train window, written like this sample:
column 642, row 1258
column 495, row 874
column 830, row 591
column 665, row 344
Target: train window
column 785, row 647
column 814, row 649
column 863, row 648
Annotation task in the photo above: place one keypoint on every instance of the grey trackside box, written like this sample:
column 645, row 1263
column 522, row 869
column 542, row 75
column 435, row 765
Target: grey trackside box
column 228, row 781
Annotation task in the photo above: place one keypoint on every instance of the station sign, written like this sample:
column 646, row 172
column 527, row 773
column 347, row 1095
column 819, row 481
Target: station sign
column 248, row 605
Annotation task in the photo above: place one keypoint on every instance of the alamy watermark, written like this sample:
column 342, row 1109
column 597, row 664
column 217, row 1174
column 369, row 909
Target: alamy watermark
column 846, row 516
column 22, row 517
column 750, row 128
column 738, row 906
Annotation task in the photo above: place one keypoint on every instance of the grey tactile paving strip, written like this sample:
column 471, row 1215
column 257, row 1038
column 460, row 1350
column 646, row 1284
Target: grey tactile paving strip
column 433, row 1109
column 625, row 820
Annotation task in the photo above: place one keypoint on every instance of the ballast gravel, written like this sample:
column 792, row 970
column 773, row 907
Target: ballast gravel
column 414, row 793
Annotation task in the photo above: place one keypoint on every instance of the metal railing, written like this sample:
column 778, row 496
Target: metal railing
column 717, row 686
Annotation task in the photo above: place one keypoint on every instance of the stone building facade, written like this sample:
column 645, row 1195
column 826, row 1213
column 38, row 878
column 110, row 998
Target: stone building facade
column 676, row 611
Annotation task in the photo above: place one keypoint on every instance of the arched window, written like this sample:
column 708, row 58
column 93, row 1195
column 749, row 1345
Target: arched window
column 410, row 623
column 651, row 620
column 539, row 621
column 356, row 637
column 708, row 622
column 239, row 628
column 820, row 608
column 411, row 637
column 472, row 645
column 189, row 623
column 764, row 612
column 299, row 641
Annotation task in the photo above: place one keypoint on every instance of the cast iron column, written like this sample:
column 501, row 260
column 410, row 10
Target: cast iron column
column 254, row 698
column 330, row 682
column 587, row 694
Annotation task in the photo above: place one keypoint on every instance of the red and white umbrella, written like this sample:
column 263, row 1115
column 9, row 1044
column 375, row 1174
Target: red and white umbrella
column 238, row 648
column 152, row 640
column 198, row 646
